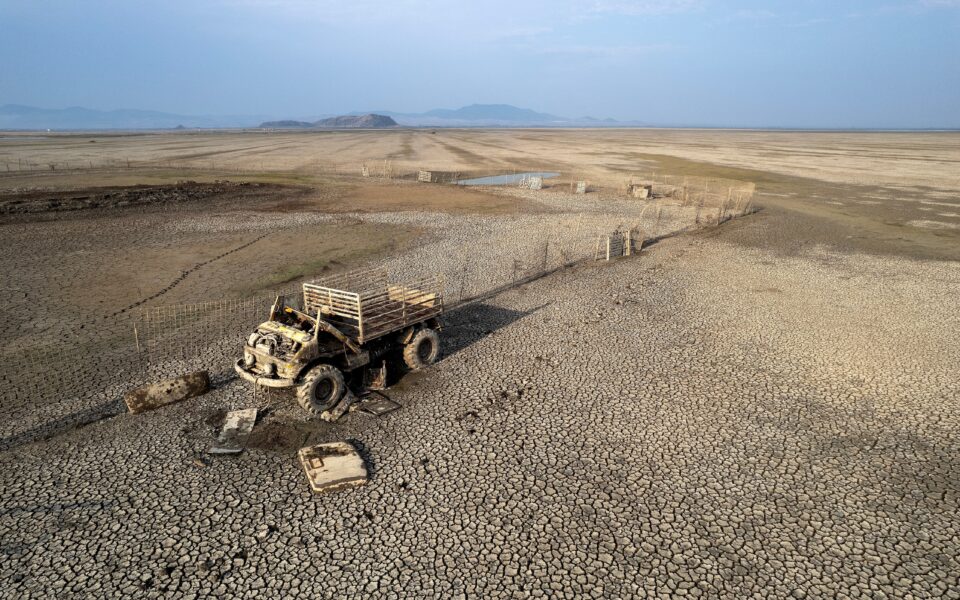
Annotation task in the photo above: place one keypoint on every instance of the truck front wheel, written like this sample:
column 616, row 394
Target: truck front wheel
column 423, row 350
column 321, row 389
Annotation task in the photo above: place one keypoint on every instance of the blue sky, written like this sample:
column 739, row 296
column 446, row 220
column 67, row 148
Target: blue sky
column 806, row 63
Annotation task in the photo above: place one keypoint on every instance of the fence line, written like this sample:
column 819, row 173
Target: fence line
column 50, row 376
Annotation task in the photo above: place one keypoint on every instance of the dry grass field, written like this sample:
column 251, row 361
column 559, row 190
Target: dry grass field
column 765, row 406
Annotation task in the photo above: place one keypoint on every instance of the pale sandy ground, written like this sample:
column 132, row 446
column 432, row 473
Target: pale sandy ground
column 899, row 192
column 902, row 159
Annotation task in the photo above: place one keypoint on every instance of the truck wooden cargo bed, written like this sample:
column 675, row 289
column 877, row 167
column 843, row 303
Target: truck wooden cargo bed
column 366, row 305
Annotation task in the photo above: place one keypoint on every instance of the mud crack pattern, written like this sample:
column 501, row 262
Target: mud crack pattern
column 703, row 420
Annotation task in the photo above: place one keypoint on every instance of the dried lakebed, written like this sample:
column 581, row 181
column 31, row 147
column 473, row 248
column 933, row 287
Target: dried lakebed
column 718, row 420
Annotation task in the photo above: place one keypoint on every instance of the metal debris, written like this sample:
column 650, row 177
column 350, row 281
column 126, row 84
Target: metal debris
column 237, row 425
column 331, row 467
column 340, row 409
column 376, row 405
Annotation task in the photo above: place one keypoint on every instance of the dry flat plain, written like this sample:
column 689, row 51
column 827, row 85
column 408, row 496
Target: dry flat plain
column 765, row 408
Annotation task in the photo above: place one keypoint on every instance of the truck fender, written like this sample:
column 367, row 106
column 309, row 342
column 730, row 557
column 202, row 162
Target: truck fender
column 354, row 361
column 407, row 335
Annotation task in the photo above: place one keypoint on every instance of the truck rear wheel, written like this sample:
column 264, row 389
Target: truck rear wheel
column 321, row 389
column 423, row 350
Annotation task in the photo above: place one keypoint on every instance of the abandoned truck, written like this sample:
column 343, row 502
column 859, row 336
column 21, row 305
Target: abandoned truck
column 347, row 325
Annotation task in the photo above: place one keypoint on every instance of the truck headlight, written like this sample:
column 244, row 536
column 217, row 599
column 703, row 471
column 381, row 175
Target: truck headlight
column 249, row 359
column 270, row 369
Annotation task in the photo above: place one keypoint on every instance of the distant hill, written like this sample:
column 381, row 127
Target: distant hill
column 287, row 124
column 494, row 112
column 496, row 115
column 17, row 116
column 368, row 121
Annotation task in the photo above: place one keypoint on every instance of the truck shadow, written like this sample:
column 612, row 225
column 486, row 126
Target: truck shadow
column 463, row 326
column 69, row 422
column 467, row 324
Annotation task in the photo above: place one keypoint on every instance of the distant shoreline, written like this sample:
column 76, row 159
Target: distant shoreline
column 306, row 130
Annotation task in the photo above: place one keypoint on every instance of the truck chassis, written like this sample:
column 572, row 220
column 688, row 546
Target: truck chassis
column 354, row 321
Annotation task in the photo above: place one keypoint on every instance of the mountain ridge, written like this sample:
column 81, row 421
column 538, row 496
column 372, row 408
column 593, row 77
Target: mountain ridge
column 23, row 117
column 495, row 115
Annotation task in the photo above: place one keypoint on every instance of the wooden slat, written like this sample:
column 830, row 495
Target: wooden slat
column 399, row 320
column 429, row 285
column 339, row 304
column 389, row 304
column 330, row 298
column 374, row 306
column 321, row 300
column 331, row 293
column 402, row 319
column 391, row 307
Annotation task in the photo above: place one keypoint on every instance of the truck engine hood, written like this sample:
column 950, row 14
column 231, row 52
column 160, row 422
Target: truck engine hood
column 291, row 333
column 277, row 341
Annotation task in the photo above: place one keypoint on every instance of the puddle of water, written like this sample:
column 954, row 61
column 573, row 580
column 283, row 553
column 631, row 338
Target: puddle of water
column 505, row 179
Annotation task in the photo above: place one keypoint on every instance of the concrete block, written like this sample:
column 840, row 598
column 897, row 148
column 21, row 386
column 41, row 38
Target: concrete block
column 331, row 467
column 639, row 190
column 167, row 392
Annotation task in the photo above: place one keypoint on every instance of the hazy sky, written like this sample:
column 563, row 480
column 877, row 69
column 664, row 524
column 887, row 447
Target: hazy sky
column 807, row 63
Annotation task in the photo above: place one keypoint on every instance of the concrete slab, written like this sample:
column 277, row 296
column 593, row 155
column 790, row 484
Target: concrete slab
column 331, row 467
column 167, row 392
column 639, row 190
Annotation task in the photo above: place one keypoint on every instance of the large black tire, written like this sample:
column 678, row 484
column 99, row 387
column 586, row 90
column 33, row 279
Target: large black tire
column 321, row 390
column 423, row 350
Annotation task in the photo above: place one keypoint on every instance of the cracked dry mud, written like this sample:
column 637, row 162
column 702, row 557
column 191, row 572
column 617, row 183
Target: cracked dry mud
column 710, row 419
column 86, row 279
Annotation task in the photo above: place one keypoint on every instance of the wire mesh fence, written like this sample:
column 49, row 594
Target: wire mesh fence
column 63, row 376
column 46, row 379
column 169, row 340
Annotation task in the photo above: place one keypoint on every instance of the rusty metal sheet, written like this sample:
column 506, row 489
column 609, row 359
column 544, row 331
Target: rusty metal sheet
column 237, row 425
column 376, row 405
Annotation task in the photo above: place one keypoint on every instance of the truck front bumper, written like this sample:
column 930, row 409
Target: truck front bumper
column 255, row 378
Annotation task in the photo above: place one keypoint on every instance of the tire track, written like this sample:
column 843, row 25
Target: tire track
column 184, row 274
